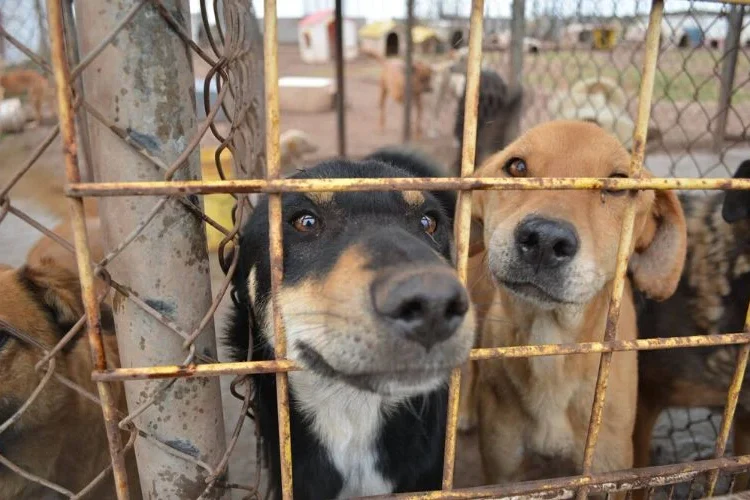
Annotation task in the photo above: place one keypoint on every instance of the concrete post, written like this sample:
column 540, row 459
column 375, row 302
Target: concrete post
column 143, row 82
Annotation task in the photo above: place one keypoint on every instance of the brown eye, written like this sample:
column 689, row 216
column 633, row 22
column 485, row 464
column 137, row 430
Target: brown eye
column 617, row 192
column 305, row 223
column 429, row 224
column 516, row 167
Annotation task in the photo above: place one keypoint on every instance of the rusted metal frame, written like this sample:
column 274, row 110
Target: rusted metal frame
column 271, row 74
column 601, row 482
column 83, row 253
column 398, row 184
column 517, row 53
column 340, row 94
column 408, row 70
column 728, row 70
column 653, row 35
column 729, row 409
column 26, row 51
column 526, row 351
column 463, row 219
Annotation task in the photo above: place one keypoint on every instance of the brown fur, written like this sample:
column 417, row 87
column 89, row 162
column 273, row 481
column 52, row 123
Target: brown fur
column 712, row 298
column 61, row 436
column 535, row 411
column 29, row 82
column 393, row 83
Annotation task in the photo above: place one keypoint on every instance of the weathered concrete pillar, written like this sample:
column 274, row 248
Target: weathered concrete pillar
column 143, row 83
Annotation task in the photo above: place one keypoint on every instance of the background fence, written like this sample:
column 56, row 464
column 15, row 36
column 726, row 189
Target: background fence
column 131, row 65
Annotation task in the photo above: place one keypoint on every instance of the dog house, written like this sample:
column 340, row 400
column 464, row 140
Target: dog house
column 317, row 37
column 386, row 39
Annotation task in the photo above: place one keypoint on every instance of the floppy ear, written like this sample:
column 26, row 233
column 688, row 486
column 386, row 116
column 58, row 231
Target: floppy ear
column 660, row 248
column 737, row 203
column 56, row 290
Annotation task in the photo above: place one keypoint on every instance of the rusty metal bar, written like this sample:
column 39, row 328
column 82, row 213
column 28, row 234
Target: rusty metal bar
column 170, row 188
column 602, row 482
column 463, row 219
column 270, row 46
column 526, row 351
column 728, row 70
column 408, row 70
column 340, row 94
column 653, row 35
column 61, row 72
column 517, row 35
column 729, row 409
column 145, row 82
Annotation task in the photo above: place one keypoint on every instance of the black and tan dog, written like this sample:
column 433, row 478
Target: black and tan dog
column 375, row 313
column 550, row 256
column 712, row 297
column 60, row 437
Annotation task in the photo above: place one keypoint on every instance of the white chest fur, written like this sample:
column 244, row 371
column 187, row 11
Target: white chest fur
column 347, row 421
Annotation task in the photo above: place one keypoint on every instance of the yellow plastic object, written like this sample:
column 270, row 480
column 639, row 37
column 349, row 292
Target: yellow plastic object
column 605, row 38
column 217, row 206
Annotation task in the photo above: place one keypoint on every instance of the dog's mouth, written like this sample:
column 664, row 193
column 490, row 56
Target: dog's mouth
column 394, row 382
column 529, row 290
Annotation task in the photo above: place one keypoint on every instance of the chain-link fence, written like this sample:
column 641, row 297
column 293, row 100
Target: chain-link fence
column 158, row 252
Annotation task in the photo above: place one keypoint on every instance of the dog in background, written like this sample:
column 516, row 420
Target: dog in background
column 30, row 83
column 374, row 311
column 294, row 145
column 712, row 298
column 498, row 106
column 599, row 100
column 551, row 258
column 60, row 436
column 393, row 84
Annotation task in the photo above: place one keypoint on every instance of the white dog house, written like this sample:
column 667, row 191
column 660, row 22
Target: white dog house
column 317, row 37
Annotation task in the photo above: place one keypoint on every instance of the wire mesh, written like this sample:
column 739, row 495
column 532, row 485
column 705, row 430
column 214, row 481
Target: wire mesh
column 228, row 62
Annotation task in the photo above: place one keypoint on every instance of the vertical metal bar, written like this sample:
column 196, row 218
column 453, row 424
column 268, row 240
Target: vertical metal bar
column 728, row 67
column 517, row 34
column 340, row 94
column 626, row 232
column 61, row 71
column 274, row 222
column 731, row 406
column 74, row 58
column 463, row 217
column 145, row 84
column 408, row 70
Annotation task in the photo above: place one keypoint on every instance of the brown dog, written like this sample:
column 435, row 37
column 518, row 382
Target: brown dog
column 60, row 437
column 712, row 298
column 551, row 256
column 393, row 83
column 29, row 82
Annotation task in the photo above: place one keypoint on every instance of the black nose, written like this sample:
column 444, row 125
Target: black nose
column 426, row 306
column 546, row 243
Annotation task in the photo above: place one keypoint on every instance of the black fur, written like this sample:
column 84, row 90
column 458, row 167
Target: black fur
column 497, row 106
column 410, row 446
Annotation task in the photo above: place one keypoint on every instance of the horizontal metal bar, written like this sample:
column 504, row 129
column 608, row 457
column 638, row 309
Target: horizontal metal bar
column 395, row 184
column 526, row 351
column 603, row 482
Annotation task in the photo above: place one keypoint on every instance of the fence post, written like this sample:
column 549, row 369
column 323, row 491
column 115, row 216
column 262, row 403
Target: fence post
column 143, row 84
column 408, row 61
column 340, row 95
column 728, row 67
column 517, row 34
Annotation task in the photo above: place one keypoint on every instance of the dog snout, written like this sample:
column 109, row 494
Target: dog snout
column 546, row 243
column 425, row 306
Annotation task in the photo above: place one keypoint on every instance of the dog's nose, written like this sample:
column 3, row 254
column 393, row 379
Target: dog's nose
column 426, row 306
column 546, row 243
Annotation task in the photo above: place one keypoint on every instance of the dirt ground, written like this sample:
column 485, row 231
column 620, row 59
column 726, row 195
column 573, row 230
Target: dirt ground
column 39, row 194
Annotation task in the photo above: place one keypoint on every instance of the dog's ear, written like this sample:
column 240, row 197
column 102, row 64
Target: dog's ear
column 56, row 290
column 737, row 203
column 660, row 248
